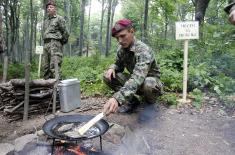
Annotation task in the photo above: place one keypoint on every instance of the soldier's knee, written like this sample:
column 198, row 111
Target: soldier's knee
column 149, row 84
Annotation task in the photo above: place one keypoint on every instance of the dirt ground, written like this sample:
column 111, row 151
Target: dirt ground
column 182, row 131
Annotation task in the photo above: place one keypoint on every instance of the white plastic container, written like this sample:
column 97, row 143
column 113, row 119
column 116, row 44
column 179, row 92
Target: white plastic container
column 70, row 95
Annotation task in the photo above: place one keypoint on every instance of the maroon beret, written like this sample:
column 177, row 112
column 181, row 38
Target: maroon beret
column 121, row 25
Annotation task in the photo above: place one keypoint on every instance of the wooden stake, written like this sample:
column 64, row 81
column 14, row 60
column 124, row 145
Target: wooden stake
column 39, row 65
column 185, row 79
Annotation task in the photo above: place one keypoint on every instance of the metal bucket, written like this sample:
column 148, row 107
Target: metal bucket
column 70, row 95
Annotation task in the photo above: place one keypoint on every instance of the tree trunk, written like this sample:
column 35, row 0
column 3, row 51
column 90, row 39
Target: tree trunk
column 166, row 25
column 88, row 30
column 27, row 71
column 31, row 31
column 114, row 4
column 108, row 29
column 201, row 6
column 67, row 11
column 14, row 26
column 145, row 26
column 35, row 29
column 1, row 36
column 5, row 65
column 81, row 27
column 101, row 27
column 5, row 69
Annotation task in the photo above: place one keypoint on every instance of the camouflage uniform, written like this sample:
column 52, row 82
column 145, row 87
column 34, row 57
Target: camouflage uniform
column 143, row 78
column 55, row 36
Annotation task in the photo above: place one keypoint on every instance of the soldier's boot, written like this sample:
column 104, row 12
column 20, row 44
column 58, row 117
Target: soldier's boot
column 149, row 113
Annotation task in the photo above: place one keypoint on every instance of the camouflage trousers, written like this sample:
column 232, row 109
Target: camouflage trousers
column 149, row 90
column 52, row 54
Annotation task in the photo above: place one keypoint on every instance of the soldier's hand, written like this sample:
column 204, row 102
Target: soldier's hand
column 110, row 73
column 111, row 106
column 232, row 17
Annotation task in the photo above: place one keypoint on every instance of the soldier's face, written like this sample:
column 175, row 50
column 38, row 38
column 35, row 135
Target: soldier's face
column 125, row 37
column 51, row 10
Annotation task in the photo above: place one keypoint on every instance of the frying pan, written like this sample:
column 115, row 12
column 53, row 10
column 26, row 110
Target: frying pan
column 48, row 126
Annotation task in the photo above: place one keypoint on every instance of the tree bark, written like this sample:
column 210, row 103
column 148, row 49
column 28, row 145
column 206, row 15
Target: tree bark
column 27, row 72
column 108, row 29
column 31, row 31
column 114, row 5
column 1, row 36
column 33, row 83
column 81, row 27
column 201, row 6
column 88, row 29
column 67, row 17
column 101, row 27
column 145, row 26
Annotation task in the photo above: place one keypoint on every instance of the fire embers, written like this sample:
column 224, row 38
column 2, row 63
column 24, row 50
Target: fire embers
column 74, row 149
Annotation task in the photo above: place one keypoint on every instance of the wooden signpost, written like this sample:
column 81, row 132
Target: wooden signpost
column 185, row 31
column 39, row 50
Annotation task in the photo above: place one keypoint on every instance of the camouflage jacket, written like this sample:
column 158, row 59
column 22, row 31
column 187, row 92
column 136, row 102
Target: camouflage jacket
column 140, row 63
column 55, row 28
column 230, row 6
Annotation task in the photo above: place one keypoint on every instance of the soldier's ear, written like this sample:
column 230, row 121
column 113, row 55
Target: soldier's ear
column 132, row 30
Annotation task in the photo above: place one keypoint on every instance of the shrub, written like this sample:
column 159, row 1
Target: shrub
column 197, row 96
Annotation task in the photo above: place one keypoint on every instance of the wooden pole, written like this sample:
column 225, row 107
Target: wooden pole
column 39, row 65
column 5, row 66
column 27, row 72
column 55, row 86
column 185, row 79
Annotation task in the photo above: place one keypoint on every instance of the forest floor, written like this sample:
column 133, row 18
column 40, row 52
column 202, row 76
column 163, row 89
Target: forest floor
column 181, row 131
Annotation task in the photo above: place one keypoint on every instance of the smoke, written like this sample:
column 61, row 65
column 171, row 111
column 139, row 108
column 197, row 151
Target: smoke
column 134, row 142
column 35, row 148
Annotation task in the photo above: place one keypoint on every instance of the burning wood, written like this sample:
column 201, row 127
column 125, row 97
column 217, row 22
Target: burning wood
column 77, row 151
column 74, row 149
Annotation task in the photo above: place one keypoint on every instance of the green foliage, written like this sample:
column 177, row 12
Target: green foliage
column 172, row 79
column 197, row 96
column 199, row 76
column 15, row 70
column 133, row 9
column 171, row 69
column 89, row 71
column 170, row 99
column 171, row 59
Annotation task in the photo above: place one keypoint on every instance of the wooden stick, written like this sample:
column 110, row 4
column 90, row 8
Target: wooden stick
column 185, row 79
column 13, row 109
column 89, row 124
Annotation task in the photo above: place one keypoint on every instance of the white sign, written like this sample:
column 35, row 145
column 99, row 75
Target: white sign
column 39, row 49
column 187, row 30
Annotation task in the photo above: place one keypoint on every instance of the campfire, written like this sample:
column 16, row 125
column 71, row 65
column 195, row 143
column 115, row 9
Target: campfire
column 73, row 149
column 66, row 141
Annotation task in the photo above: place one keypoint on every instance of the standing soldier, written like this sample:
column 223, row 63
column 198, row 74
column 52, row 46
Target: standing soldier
column 230, row 9
column 54, row 37
column 143, row 78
